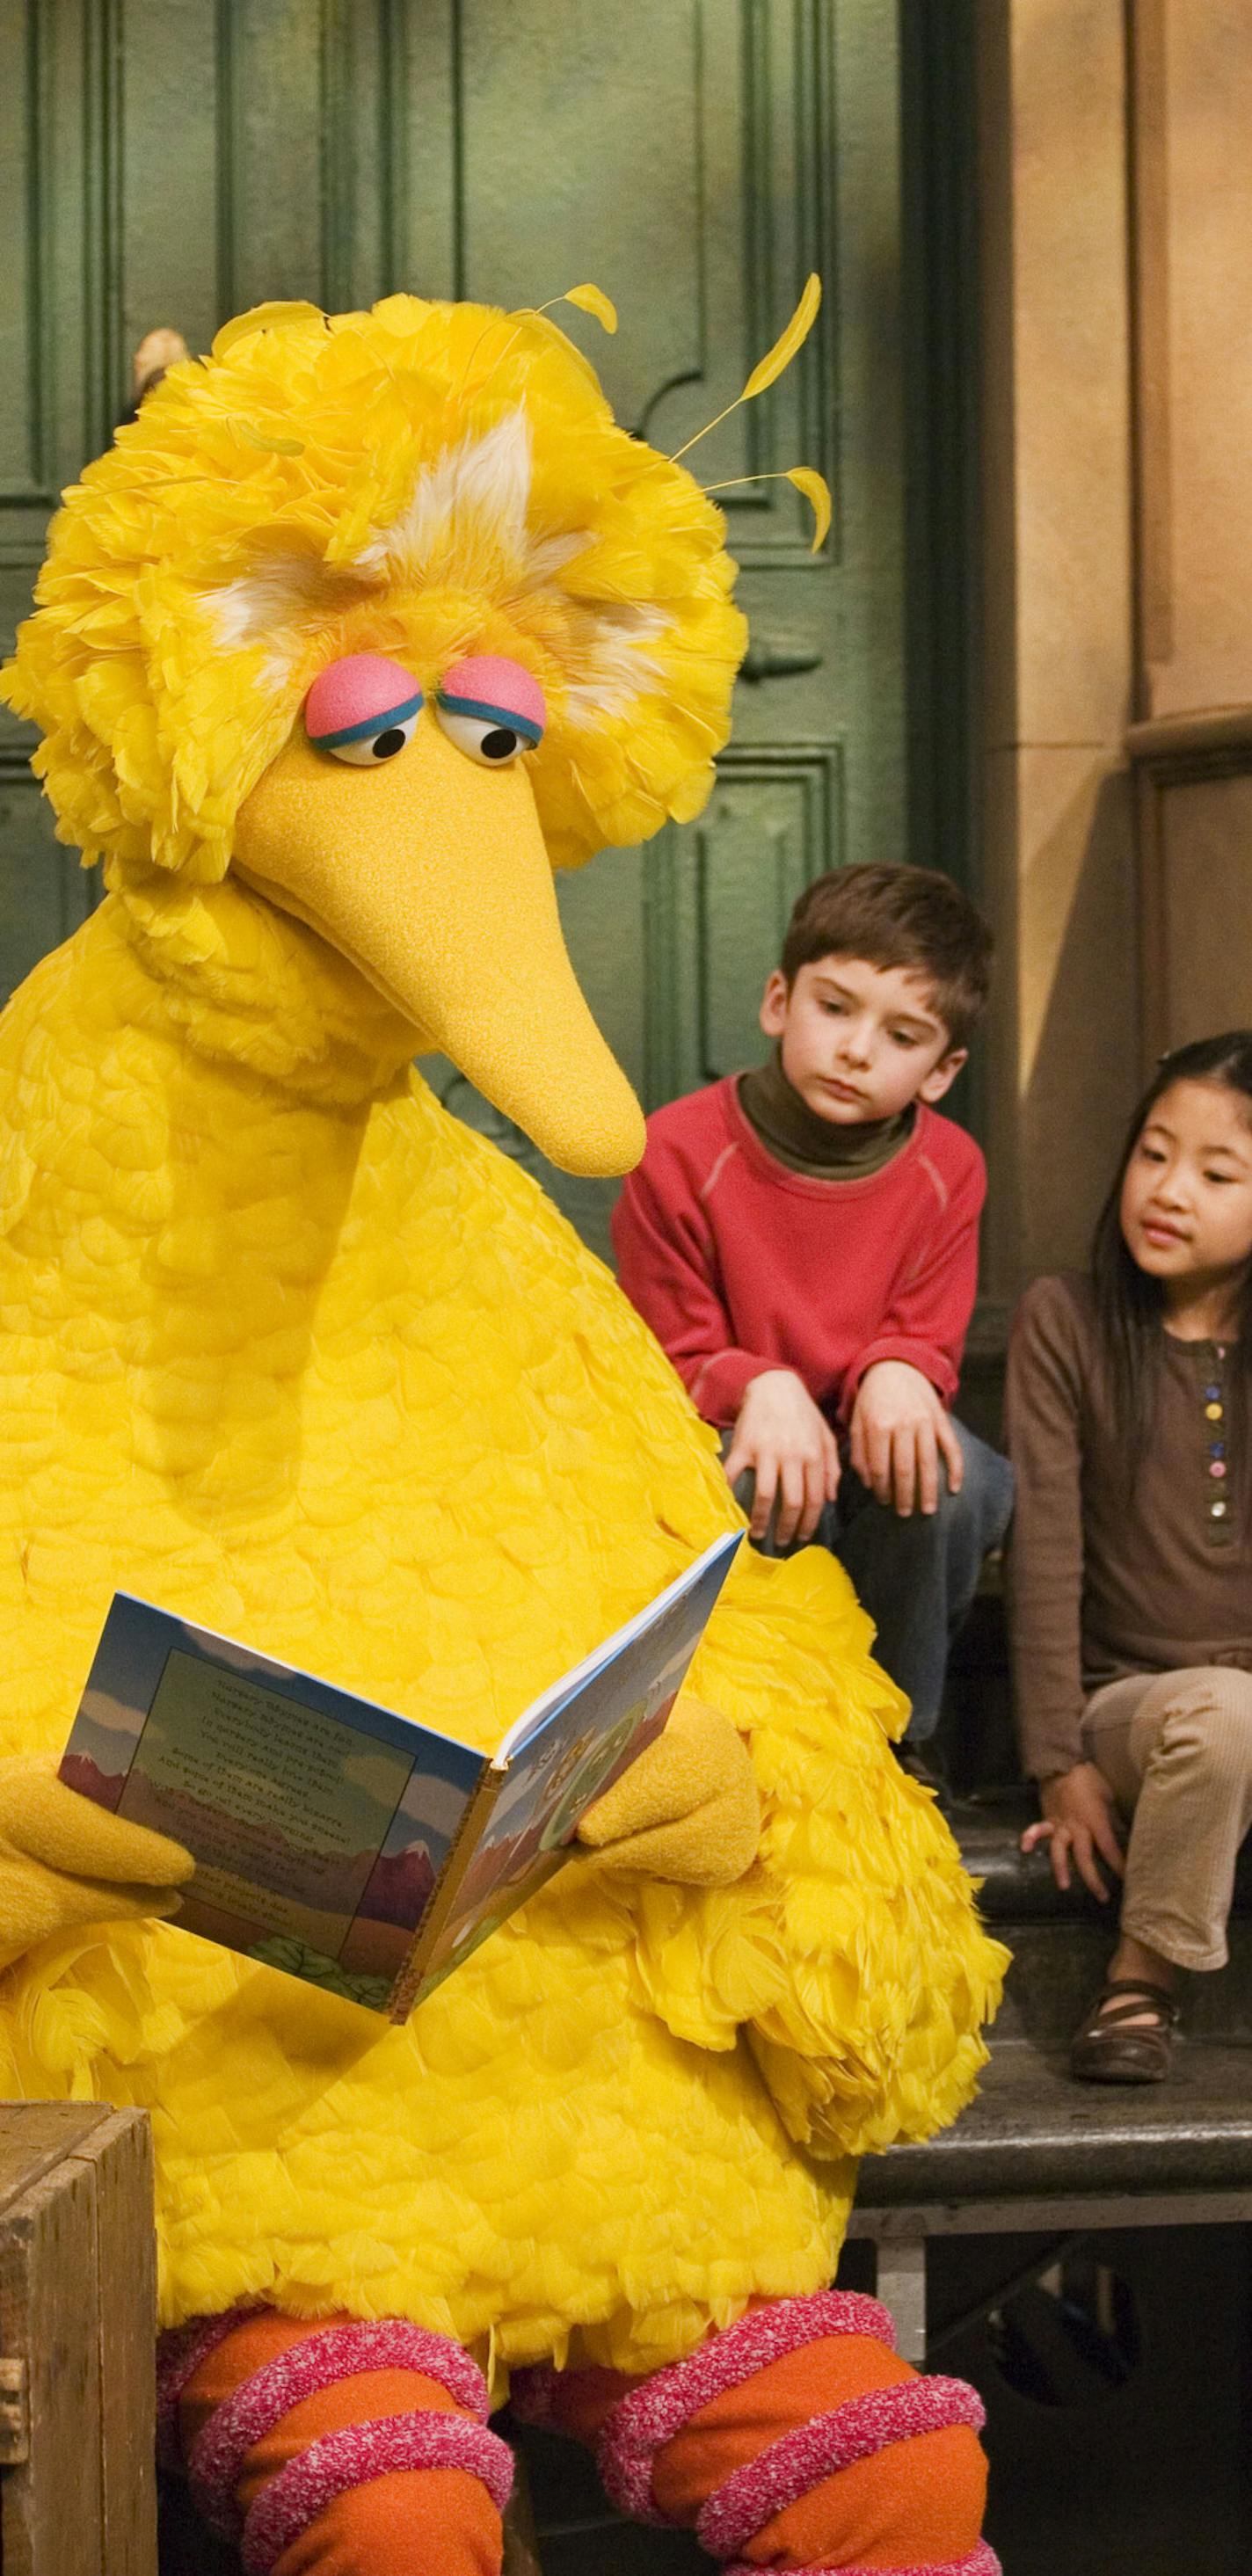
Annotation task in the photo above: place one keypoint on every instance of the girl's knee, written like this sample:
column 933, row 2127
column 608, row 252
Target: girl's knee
column 1208, row 1726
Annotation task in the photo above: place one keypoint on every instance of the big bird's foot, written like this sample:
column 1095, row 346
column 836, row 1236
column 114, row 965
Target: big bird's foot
column 337, row 2448
column 798, row 2435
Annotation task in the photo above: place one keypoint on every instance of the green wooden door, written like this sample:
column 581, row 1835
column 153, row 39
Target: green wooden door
column 168, row 161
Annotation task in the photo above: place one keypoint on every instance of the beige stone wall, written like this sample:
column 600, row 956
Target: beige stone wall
column 1059, row 621
column 1192, row 209
column 1207, row 901
column 1116, row 187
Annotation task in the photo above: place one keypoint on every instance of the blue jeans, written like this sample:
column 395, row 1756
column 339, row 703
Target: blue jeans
column 916, row 1577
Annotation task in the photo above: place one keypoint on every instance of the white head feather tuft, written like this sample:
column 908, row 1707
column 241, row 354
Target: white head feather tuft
column 466, row 525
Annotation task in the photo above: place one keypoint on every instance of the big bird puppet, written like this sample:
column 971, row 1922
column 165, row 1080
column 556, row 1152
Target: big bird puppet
column 366, row 624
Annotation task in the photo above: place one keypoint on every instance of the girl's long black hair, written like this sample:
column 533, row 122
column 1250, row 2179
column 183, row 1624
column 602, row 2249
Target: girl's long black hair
column 1129, row 1304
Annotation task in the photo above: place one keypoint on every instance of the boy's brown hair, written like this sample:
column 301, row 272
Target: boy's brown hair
column 898, row 916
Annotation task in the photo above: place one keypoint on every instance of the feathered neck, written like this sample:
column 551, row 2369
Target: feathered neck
column 193, row 1083
column 246, row 985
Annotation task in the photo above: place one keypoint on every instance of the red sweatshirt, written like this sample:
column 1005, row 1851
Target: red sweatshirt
column 740, row 1265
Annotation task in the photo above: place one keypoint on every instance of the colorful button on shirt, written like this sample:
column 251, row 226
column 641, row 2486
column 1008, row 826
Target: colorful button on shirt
column 1220, row 1528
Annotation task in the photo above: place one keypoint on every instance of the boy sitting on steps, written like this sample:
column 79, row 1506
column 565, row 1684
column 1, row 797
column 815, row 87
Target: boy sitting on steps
column 803, row 1241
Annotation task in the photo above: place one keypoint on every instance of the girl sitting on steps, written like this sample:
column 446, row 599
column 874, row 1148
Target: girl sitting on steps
column 1129, row 1412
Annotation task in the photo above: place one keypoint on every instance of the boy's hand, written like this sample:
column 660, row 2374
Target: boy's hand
column 789, row 1445
column 1079, row 1819
column 899, row 1431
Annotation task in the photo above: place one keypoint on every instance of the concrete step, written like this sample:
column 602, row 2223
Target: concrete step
column 1033, row 2133
column 1061, row 1942
column 1018, row 1887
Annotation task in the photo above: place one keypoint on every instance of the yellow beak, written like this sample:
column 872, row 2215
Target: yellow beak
column 430, row 874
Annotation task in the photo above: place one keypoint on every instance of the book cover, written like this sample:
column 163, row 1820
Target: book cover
column 337, row 1840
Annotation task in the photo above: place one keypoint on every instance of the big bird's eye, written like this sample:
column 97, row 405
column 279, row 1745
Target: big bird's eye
column 362, row 709
column 365, row 751
column 491, row 708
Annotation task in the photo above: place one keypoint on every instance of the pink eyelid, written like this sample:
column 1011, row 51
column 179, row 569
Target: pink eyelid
column 490, row 679
column 359, row 689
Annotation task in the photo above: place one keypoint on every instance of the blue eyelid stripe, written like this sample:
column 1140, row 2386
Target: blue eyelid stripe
column 368, row 725
column 493, row 715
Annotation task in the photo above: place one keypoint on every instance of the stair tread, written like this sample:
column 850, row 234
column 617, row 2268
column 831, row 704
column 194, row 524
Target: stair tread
column 1017, row 1886
column 1033, row 2131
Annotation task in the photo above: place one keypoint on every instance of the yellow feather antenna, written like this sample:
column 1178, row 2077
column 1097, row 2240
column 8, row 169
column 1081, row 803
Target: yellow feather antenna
column 785, row 346
column 806, row 479
column 816, row 490
column 589, row 299
column 771, row 366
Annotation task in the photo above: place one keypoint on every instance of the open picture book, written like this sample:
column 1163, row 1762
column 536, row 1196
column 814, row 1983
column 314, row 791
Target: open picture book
column 343, row 1843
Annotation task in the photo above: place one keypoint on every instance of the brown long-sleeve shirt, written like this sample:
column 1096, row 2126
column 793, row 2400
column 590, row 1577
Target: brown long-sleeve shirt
column 1098, row 1587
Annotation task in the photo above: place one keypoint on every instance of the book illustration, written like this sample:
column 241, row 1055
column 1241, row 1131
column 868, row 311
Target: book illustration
column 335, row 1839
column 589, row 1733
column 317, row 1845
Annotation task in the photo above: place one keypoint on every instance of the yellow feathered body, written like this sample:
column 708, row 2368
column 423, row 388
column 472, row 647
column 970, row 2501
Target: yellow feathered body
column 287, row 1350
column 334, row 1377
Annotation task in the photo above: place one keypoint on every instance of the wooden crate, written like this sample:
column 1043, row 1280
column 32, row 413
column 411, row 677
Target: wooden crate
column 77, row 2341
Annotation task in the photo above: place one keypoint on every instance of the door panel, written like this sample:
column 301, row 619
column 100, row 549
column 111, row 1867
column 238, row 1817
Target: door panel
column 44, row 893
column 55, row 104
column 771, row 826
column 163, row 160
column 698, row 162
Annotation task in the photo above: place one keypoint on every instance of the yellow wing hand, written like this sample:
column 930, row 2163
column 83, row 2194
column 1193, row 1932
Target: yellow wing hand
column 66, row 1862
column 687, row 1809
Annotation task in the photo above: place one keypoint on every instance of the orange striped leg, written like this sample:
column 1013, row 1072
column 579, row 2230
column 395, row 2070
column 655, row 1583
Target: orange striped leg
column 336, row 2448
column 796, row 2440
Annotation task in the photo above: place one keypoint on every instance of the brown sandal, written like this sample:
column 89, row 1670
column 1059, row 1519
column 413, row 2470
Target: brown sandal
column 1118, row 2048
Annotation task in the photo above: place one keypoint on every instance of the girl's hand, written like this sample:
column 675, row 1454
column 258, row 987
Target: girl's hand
column 1078, row 1820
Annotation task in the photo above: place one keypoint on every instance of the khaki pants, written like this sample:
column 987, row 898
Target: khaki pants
column 1176, row 1750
